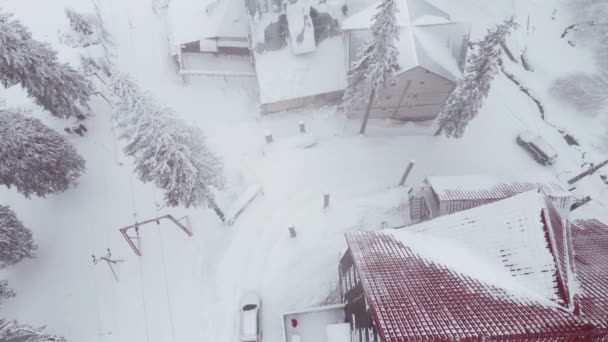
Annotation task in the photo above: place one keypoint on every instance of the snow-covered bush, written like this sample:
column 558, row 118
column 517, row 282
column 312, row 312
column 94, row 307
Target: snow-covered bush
column 16, row 242
column 55, row 86
column 376, row 62
column 82, row 33
column 158, row 5
column 482, row 66
column 167, row 151
column 88, row 34
column 12, row 331
column 34, row 158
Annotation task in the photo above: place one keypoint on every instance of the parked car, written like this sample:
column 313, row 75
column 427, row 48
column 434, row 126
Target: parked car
column 250, row 318
column 537, row 147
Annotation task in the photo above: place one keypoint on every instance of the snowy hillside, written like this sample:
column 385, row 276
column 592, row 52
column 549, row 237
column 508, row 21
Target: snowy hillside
column 188, row 288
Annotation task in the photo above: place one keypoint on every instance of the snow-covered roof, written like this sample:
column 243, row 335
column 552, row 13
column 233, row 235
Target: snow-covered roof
column 283, row 75
column 409, row 12
column 483, row 187
column 428, row 37
column 487, row 271
column 590, row 244
column 294, row 59
column 301, row 30
column 193, row 20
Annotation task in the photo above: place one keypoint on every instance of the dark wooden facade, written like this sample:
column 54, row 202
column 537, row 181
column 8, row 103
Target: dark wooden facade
column 356, row 310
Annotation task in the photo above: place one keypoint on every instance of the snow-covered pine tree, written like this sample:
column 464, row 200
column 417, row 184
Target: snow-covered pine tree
column 13, row 331
column 5, row 291
column 35, row 159
column 16, row 242
column 376, row 62
column 167, row 151
column 482, row 66
column 78, row 22
column 83, row 30
column 55, row 86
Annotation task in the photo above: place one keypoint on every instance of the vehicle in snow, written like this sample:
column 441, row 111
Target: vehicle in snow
column 537, row 147
column 250, row 318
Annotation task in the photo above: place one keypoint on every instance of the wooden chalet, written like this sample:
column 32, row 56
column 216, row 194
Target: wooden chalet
column 432, row 53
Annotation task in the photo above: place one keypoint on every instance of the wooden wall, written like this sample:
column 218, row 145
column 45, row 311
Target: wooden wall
column 315, row 100
column 418, row 95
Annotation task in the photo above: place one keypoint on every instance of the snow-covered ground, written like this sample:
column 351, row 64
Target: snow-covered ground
column 188, row 289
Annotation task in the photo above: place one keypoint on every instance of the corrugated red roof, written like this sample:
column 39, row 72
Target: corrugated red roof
column 512, row 235
column 560, row 239
column 590, row 243
column 481, row 187
column 413, row 298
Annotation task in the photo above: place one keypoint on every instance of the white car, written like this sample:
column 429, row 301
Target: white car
column 250, row 318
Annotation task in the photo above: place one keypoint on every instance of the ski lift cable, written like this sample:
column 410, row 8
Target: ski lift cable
column 141, row 272
column 143, row 299
column 162, row 254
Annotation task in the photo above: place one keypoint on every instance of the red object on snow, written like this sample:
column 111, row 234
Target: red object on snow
column 294, row 322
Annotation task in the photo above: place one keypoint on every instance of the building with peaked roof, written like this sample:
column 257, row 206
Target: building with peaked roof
column 502, row 271
column 590, row 245
column 298, row 49
column 432, row 54
column 441, row 195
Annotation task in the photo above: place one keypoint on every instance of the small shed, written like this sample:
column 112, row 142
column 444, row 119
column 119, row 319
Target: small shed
column 432, row 54
column 317, row 324
column 442, row 195
column 210, row 37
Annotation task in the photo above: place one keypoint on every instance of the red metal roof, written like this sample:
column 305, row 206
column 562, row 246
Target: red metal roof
column 514, row 236
column 481, row 187
column 413, row 298
column 559, row 239
column 590, row 243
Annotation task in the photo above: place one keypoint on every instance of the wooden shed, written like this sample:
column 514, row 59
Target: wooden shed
column 432, row 53
column 210, row 37
column 442, row 195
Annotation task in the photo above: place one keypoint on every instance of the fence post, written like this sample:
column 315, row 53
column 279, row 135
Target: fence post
column 268, row 137
column 292, row 231
column 407, row 172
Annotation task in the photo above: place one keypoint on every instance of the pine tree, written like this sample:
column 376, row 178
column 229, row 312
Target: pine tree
column 482, row 66
column 56, row 87
column 376, row 63
column 167, row 151
column 12, row 331
column 78, row 22
column 35, row 159
column 5, row 291
column 16, row 242
column 84, row 32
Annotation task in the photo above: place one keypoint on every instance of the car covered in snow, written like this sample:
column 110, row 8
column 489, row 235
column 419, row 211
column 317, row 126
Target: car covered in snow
column 250, row 318
column 537, row 147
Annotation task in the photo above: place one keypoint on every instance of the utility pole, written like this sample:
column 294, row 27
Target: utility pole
column 109, row 261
